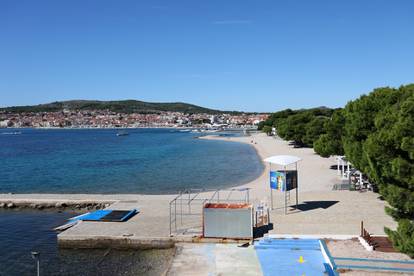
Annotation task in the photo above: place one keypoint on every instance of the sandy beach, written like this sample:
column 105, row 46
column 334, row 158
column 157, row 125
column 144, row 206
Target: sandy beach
column 344, row 210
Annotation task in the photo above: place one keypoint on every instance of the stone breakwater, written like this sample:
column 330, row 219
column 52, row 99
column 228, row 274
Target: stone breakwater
column 55, row 204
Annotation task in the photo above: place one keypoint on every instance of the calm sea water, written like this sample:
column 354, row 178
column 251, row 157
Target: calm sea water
column 97, row 161
column 24, row 231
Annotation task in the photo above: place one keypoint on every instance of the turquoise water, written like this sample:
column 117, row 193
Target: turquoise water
column 146, row 161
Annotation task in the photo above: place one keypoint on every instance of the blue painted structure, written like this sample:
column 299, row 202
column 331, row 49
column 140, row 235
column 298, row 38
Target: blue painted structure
column 291, row 257
column 375, row 264
column 331, row 268
column 98, row 215
column 94, row 216
column 129, row 215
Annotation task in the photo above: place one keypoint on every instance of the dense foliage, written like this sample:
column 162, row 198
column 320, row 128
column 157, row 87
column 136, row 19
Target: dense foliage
column 330, row 142
column 376, row 133
column 267, row 129
column 127, row 106
column 301, row 126
column 378, row 139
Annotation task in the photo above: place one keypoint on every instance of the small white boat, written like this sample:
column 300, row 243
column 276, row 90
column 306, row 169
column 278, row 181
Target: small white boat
column 12, row 133
column 122, row 133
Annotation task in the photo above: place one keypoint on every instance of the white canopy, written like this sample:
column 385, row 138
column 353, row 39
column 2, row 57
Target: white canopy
column 282, row 160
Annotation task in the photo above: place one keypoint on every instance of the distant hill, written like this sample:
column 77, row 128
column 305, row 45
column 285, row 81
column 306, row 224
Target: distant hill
column 126, row 106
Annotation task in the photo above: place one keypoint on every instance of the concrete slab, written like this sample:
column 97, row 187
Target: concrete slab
column 234, row 260
column 214, row 259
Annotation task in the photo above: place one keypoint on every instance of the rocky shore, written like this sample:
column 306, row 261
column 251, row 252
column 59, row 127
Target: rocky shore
column 56, row 204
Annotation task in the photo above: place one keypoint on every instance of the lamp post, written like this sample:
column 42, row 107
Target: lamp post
column 35, row 256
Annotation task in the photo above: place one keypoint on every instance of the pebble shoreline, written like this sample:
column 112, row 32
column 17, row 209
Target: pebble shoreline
column 54, row 205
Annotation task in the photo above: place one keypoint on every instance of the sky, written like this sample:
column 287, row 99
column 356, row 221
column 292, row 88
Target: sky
column 244, row 55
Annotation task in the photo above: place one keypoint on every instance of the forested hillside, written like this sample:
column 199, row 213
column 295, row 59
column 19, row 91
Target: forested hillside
column 127, row 106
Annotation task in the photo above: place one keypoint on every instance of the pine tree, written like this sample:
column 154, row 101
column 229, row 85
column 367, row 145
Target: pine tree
column 379, row 141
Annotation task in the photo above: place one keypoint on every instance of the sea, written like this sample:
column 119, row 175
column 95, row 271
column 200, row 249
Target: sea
column 146, row 161
column 25, row 231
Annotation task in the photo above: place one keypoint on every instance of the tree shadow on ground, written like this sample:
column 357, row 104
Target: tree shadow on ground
column 298, row 145
column 312, row 205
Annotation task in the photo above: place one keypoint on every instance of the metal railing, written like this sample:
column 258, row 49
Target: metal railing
column 185, row 204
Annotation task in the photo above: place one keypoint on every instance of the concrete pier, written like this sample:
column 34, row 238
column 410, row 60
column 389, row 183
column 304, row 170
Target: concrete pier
column 146, row 230
column 149, row 229
column 115, row 242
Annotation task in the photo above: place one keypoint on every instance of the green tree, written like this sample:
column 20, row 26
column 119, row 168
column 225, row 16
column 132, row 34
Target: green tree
column 267, row 130
column 376, row 133
column 360, row 123
column 403, row 238
column 294, row 127
column 261, row 125
column 314, row 129
column 379, row 140
column 330, row 143
column 274, row 118
column 302, row 126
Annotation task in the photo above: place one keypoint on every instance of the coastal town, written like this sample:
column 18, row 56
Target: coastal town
column 109, row 119
column 207, row 138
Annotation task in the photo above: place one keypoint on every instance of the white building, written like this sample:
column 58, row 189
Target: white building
column 4, row 123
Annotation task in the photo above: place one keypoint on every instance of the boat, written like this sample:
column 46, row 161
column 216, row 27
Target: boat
column 12, row 133
column 122, row 133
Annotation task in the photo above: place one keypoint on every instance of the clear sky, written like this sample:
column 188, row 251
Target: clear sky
column 227, row 54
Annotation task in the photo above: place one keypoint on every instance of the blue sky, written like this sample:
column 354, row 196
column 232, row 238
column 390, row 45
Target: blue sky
column 233, row 55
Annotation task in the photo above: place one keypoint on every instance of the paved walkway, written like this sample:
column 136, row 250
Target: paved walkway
column 214, row 259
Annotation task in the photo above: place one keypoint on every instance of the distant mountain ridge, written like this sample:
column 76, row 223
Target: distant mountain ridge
column 124, row 106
